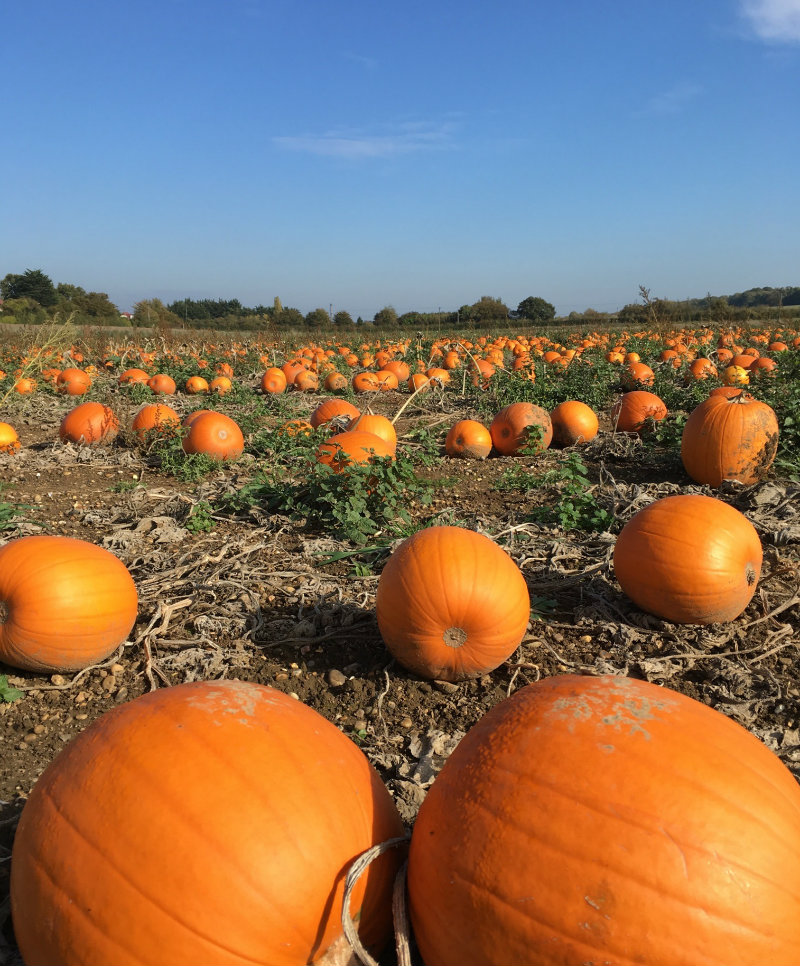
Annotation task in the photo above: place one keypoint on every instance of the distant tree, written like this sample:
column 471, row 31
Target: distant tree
column 152, row 313
column 317, row 318
column 32, row 284
column 386, row 318
column 488, row 309
column 410, row 320
column 536, row 309
column 24, row 311
column 343, row 319
column 289, row 318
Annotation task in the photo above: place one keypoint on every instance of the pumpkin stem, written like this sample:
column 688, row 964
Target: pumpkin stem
column 455, row 636
column 750, row 575
column 4, row 612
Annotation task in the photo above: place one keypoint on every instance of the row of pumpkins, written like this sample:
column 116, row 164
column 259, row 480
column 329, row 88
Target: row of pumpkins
column 730, row 436
column 582, row 820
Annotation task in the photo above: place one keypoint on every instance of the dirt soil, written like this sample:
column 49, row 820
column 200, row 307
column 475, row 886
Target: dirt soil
column 254, row 599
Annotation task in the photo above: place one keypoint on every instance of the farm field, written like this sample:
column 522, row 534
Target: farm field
column 264, row 567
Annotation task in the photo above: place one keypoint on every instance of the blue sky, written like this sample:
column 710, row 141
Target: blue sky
column 421, row 155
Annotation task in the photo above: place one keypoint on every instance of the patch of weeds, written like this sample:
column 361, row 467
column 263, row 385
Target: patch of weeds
column 199, row 518
column 353, row 504
column 668, row 431
column 575, row 507
column 7, row 692
column 11, row 513
column 169, row 457
column 542, row 607
column 125, row 486
column 364, row 560
column 427, row 447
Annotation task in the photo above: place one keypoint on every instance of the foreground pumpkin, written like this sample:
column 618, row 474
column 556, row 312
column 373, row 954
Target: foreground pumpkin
column 729, row 439
column 64, row 603
column 690, row 559
column 468, row 439
column 9, row 441
column 635, row 410
column 155, row 419
column 573, row 422
column 210, row 822
column 89, row 423
column 352, row 446
column 215, row 435
column 607, row 820
column 522, row 425
column 451, row 604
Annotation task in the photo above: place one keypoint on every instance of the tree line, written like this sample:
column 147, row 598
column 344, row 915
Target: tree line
column 31, row 298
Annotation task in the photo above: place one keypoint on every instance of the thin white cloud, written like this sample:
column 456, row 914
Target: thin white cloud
column 409, row 138
column 370, row 63
column 774, row 21
column 673, row 100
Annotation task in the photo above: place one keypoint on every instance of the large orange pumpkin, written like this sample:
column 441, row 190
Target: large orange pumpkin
column 73, row 382
column 89, row 423
column 274, row 381
column 352, row 446
column 573, row 422
column 635, row 410
column 211, row 822
column 690, row 559
column 521, row 425
column 64, row 603
column 379, row 425
column 607, row 820
column 469, row 439
column 9, row 441
column 338, row 409
column 155, row 419
column 162, row 384
column 451, row 604
column 134, row 377
column 729, row 439
column 215, row 435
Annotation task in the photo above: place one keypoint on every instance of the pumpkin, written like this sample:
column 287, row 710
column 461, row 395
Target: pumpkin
column 481, row 371
column 338, row 409
column 335, row 382
column 451, row 604
column 273, row 381
column 690, row 559
column 399, row 368
column 469, row 439
column 637, row 374
column 162, row 384
column 306, row 381
column 521, row 425
column 379, row 425
column 365, row 382
column 419, row 382
column 573, row 422
column 195, row 385
column 9, row 441
column 25, row 386
column 386, row 380
column 735, row 376
column 134, row 377
column 155, row 419
column 635, row 411
column 701, row 368
column 220, row 385
column 352, row 446
column 73, row 382
column 64, row 603
column 210, row 822
column 729, row 439
column 607, row 820
column 216, row 435
column 89, row 423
